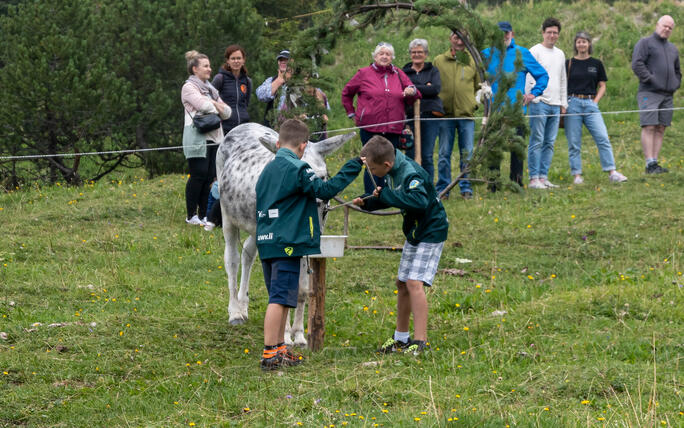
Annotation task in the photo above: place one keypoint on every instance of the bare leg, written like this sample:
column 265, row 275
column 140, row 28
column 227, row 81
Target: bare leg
column 658, row 135
column 403, row 307
column 647, row 141
column 419, row 308
column 274, row 324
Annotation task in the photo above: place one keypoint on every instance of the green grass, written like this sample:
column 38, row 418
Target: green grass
column 590, row 279
column 589, row 276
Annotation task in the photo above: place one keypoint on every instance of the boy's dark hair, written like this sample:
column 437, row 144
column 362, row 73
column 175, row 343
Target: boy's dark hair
column 292, row 133
column 551, row 22
column 378, row 150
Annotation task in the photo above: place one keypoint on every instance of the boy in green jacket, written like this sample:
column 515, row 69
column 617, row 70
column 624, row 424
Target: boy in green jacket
column 287, row 229
column 425, row 226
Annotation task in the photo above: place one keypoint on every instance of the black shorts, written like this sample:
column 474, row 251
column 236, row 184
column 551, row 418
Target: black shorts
column 282, row 280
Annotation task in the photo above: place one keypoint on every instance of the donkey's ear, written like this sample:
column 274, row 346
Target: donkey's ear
column 329, row 145
column 269, row 141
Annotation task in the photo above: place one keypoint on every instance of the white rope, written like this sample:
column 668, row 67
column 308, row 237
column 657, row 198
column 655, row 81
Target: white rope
column 353, row 128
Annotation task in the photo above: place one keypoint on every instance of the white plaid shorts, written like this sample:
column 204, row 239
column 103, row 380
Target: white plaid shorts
column 419, row 262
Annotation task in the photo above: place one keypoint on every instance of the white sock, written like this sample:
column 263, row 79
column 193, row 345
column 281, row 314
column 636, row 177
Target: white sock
column 402, row 336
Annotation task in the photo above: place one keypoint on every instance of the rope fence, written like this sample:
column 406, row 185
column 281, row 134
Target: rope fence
column 332, row 131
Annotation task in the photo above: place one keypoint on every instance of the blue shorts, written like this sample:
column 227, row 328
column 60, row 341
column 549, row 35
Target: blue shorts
column 282, row 280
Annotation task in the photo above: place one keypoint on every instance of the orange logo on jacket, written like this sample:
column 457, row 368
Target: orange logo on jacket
column 243, row 88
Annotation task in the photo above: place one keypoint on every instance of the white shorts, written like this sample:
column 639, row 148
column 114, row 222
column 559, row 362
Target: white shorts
column 420, row 262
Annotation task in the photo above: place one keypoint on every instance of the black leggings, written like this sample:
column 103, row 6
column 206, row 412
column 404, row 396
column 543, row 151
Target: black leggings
column 202, row 174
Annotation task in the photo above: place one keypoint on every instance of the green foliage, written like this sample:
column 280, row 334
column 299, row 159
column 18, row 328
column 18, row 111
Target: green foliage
column 54, row 99
column 93, row 75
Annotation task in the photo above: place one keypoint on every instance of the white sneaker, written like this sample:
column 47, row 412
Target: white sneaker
column 195, row 221
column 209, row 226
column 616, row 177
column 547, row 183
column 578, row 180
column 536, row 184
column 204, row 221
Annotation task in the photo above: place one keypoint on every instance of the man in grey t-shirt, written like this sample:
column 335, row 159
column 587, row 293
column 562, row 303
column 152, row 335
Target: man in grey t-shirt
column 655, row 62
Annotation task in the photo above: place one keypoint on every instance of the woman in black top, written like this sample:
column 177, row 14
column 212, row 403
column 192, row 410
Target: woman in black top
column 427, row 80
column 586, row 86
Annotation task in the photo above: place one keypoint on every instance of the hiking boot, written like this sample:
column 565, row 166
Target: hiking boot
column 393, row 345
column 416, row 347
column 273, row 363
column 467, row 195
column 290, row 358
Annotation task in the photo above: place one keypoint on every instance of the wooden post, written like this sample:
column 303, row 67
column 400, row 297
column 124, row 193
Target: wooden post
column 416, row 134
column 346, row 223
column 316, row 323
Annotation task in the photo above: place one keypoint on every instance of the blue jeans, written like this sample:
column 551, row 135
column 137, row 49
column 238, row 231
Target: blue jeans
column 447, row 131
column 543, row 131
column 429, row 129
column 597, row 128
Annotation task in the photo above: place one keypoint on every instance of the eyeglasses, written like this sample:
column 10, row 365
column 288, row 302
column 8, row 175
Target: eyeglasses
column 417, row 52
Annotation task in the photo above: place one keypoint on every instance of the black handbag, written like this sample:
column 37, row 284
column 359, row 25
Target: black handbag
column 206, row 122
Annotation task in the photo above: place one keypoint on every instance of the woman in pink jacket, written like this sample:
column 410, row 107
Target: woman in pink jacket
column 199, row 97
column 382, row 91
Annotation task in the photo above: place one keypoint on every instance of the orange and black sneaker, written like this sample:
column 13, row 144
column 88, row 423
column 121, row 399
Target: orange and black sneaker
column 289, row 358
column 271, row 359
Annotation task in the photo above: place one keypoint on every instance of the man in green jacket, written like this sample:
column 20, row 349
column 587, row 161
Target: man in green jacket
column 425, row 226
column 288, row 228
column 460, row 82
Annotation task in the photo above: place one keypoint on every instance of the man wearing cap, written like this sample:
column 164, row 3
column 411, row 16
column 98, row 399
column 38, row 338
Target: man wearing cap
column 497, row 65
column 655, row 62
column 267, row 91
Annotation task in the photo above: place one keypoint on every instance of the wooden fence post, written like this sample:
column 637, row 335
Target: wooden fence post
column 316, row 323
column 416, row 134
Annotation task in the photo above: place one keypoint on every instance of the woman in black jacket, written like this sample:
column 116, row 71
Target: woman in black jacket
column 234, row 86
column 426, row 78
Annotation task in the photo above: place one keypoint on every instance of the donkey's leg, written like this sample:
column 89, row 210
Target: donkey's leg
column 248, row 256
column 231, row 259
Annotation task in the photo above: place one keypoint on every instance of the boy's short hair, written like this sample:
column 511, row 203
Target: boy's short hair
column 551, row 22
column 293, row 132
column 378, row 150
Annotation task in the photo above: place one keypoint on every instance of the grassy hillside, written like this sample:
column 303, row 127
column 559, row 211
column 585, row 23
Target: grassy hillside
column 569, row 312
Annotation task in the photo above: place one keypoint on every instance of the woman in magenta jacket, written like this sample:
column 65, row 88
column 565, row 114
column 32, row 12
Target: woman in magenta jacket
column 382, row 92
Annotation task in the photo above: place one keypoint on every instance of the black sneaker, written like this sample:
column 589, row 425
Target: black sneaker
column 657, row 169
column 416, row 347
column 393, row 345
column 290, row 358
column 273, row 363
column 654, row 168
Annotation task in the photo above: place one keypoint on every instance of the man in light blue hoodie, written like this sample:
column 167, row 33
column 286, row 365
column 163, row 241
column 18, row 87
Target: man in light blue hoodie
column 531, row 66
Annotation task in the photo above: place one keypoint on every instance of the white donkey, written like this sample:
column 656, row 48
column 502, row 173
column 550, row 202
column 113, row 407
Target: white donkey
column 241, row 157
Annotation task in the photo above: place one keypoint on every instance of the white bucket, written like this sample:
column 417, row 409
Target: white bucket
column 331, row 246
